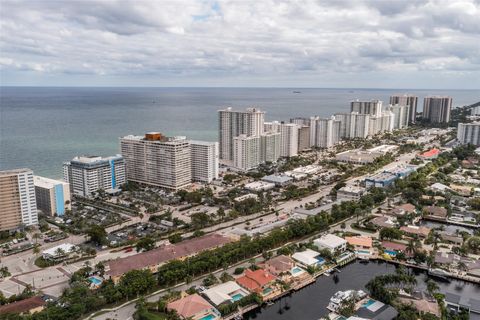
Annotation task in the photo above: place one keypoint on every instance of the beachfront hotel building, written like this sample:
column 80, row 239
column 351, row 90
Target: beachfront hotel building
column 469, row 133
column 288, row 136
column 157, row 160
column 409, row 101
column 232, row 124
column 324, row 132
column 88, row 174
column 436, row 109
column 17, row 199
column 53, row 196
column 204, row 160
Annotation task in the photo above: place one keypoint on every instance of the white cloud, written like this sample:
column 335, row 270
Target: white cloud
column 203, row 42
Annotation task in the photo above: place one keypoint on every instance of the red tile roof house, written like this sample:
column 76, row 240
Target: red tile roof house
column 396, row 247
column 402, row 210
column 435, row 213
column 194, row 307
column 259, row 281
column 29, row 305
column 154, row 258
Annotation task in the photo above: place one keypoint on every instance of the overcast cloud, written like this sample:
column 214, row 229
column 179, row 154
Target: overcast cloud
column 351, row 43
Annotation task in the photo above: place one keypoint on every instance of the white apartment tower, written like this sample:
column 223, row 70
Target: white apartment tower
column 158, row 160
column 246, row 152
column 409, row 101
column 436, row 109
column 88, row 174
column 232, row 123
column 353, row 125
column 324, row 133
column 18, row 205
column 381, row 124
column 288, row 137
column 204, row 161
column 251, row 151
column 372, row 107
column 401, row 115
column 469, row 133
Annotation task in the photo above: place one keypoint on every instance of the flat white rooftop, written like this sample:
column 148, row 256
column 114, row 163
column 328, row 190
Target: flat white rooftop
column 46, row 183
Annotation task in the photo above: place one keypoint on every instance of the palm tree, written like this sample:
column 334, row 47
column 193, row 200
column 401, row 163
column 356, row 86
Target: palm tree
column 37, row 236
column 411, row 247
column 462, row 266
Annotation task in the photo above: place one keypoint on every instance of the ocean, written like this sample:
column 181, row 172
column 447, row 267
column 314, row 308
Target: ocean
column 41, row 127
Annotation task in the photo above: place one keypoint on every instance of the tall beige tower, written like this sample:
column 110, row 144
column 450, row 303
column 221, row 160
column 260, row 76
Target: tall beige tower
column 17, row 199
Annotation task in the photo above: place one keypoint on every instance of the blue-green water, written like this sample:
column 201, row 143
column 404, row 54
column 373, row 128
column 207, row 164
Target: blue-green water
column 40, row 128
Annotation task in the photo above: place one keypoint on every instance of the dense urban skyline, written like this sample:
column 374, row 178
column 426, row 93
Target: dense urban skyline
column 378, row 44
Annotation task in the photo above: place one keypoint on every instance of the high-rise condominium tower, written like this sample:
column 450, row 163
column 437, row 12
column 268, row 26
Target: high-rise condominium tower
column 401, row 114
column 324, row 133
column 288, row 136
column 204, row 161
column 372, row 107
column 469, row 133
column 88, row 174
column 158, row 160
column 17, row 199
column 232, row 123
column 53, row 196
column 353, row 125
column 406, row 100
column 436, row 109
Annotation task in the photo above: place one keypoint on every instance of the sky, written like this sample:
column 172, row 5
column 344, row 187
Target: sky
column 241, row 43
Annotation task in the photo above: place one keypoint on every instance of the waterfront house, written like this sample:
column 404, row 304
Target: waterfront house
column 393, row 248
column 415, row 231
column 363, row 245
column 451, row 238
column 376, row 310
column 194, row 307
column 259, row 281
column 279, row 265
column 227, row 292
column 308, row 258
column 331, row 242
column 435, row 213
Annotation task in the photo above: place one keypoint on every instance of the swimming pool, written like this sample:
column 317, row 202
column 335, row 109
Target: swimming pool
column 369, row 303
column 390, row 252
column 320, row 260
column 237, row 297
column 95, row 281
column 363, row 251
column 208, row 317
column 296, row 270
column 267, row 290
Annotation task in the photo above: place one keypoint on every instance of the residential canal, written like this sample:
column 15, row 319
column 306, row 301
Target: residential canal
column 310, row 302
column 450, row 228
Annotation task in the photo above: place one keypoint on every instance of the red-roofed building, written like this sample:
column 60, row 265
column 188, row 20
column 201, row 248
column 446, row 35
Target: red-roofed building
column 154, row 258
column 194, row 307
column 430, row 154
column 259, row 281
column 29, row 305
